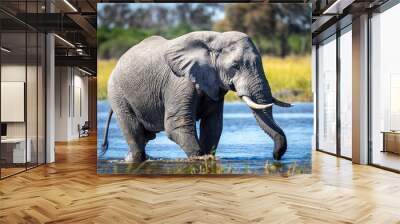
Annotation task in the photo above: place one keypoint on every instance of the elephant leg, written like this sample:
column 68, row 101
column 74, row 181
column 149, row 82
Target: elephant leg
column 133, row 132
column 185, row 136
column 149, row 135
column 210, row 130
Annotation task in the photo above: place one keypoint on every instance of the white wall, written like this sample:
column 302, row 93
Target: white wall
column 16, row 73
column 11, row 73
column 13, row 100
column 70, row 83
column 33, row 126
column 61, row 103
column 80, row 84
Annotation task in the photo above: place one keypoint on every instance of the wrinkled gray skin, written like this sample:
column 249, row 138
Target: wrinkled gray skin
column 168, row 85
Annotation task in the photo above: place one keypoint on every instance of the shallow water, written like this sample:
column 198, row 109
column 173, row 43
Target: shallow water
column 243, row 148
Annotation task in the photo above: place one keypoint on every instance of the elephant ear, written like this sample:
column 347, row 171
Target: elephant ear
column 192, row 58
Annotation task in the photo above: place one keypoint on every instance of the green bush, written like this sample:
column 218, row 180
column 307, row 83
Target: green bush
column 113, row 43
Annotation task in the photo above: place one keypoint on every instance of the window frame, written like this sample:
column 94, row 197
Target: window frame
column 339, row 32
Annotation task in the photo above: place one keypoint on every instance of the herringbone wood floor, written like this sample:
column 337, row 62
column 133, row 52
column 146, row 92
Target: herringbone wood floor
column 70, row 191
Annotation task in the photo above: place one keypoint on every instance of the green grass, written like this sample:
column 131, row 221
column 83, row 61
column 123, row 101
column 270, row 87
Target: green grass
column 289, row 78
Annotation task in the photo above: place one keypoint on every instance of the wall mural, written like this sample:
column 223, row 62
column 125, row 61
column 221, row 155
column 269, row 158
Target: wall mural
column 190, row 88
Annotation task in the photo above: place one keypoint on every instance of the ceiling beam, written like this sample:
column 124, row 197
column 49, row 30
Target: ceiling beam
column 321, row 23
column 337, row 7
column 49, row 22
column 84, row 24
column 77, row 61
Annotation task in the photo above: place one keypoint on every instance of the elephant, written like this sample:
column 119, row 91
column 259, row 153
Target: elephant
column 168, row 85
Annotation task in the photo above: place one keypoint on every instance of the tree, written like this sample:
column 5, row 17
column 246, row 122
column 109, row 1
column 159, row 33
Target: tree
column 114, row 15
column 268, row 23
column 277, row 29
column 121, row 25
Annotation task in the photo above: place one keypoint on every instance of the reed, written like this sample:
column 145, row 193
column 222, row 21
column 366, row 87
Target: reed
column 209, row 165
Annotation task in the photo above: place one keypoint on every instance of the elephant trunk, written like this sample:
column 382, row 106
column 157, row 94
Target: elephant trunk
column 255, row 91
column 265, row 118
column 267, row 123
column 263, row 114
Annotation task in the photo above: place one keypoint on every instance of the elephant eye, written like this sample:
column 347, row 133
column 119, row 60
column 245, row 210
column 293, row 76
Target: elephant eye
column 236, row 66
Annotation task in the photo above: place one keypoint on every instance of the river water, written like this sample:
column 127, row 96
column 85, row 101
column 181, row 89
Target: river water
column 243, row 147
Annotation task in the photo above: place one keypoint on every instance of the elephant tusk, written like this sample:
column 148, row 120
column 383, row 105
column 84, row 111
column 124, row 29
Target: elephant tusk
column 254, row 105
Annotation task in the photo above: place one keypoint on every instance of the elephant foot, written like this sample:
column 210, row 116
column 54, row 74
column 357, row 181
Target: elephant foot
column 131, row 158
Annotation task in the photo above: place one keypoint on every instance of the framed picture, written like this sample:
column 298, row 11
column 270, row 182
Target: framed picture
column 190, row 88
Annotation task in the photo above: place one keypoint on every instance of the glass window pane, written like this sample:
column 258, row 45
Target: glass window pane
column 346, row 94
column 32, row 87
column 31, row 97
column 327, row 96
column 41, row 99
column 385, row 84
column 13, row 86
column 23, row 85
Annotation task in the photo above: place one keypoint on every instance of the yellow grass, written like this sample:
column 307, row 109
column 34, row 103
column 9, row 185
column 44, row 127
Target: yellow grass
column 289, row 78
column 104, row 69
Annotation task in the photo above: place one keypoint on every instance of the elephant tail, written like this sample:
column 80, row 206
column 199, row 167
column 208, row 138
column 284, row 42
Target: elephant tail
column 104, row 146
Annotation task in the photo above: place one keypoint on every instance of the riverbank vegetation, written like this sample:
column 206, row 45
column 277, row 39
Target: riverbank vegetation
column 276, row 29
column 289, row 78
column 206, row 166
column 281, row 33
